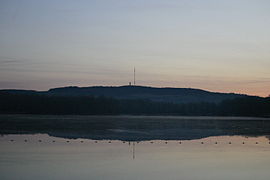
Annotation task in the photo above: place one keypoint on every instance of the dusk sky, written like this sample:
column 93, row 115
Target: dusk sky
column 216, row 45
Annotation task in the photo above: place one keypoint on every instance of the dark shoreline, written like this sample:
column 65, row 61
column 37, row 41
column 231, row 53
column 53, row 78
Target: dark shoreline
column 55, row 104
column 133, row 128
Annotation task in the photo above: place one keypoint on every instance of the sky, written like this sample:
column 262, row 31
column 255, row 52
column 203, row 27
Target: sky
column 216, row 45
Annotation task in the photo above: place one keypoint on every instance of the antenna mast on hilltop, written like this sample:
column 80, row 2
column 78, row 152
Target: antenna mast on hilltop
column 134, row 77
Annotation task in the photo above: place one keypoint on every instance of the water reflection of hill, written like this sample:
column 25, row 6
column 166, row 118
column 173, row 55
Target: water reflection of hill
column 133, row 127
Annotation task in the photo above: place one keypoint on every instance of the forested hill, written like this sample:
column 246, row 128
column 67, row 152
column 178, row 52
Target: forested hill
column 170, row 95
column 33, row 103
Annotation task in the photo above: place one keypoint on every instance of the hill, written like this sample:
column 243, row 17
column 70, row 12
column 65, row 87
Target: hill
column 135, row 100
column 170, row 95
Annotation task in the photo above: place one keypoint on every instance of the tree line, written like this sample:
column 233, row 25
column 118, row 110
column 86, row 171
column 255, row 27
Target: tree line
column 45, row 104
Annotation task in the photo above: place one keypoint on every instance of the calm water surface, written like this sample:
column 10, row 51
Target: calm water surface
column 31, row 157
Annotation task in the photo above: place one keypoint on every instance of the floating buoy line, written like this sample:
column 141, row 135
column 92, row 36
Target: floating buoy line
column 144, row 142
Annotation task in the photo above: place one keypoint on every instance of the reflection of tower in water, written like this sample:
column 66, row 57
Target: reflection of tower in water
column 133, row 150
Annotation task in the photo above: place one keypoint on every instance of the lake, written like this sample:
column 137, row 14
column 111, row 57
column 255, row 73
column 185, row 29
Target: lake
column 133, row 128
column 196, row 154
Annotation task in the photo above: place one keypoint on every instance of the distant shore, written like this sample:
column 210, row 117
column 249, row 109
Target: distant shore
column 138, row 116
column 138, row 101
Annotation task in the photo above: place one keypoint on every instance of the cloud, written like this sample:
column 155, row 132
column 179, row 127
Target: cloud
column 8, row 60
